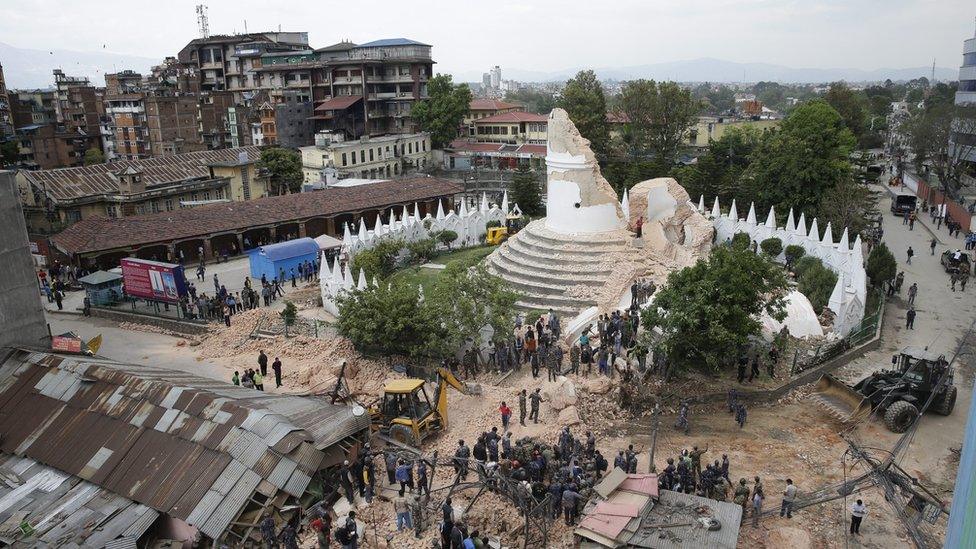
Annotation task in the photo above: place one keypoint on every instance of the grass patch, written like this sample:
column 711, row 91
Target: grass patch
column 416, row 275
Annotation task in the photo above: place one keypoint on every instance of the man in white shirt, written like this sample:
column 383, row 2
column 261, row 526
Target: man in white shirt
column 789, row 496
column 858, row 510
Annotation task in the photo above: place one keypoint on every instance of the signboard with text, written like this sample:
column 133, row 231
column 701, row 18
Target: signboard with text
column 153, row 280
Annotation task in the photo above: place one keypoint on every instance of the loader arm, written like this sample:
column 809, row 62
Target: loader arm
column 445, row 379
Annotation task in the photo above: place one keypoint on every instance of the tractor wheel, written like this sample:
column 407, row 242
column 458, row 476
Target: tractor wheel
column 948, row 401
column 402, row 434
column 900, row 415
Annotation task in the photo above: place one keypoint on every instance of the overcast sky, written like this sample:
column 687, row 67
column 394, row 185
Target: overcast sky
column 532, row 34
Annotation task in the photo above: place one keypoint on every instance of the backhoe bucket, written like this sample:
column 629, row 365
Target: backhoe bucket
column 839, row 399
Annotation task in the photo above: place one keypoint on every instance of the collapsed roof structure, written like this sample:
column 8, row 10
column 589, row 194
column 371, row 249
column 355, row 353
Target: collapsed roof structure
column 189, row 453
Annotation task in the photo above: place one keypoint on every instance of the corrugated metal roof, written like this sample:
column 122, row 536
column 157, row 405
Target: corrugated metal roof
column 675, row 507
column 62, row 507
column 146, row 434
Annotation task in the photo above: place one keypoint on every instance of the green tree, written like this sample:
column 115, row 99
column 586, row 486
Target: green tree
column 586, row 104
column 708, row 312
column 932, row 133
column 389, row 319
column 378, row 261
column 793, row 253
column 718, row 171
column 796, row 165
column 288, row 315
column 444, row 109
column 849, row 204
column 285, row 167
column 660, row 116
column 772, row 247
column 9, row 153
column 881, row 265
column 741, row 241
column 469, row 298
column 539, row 101
column 422, row 250
column 446, row 238
column 94, row 156
column 525, row 191
column 816, row 283
column 851, row 105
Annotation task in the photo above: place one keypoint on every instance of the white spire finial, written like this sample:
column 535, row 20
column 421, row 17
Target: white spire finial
column 801, row 225
column 751, row 216
column 733, row 213
column 844, row 244
column 814, row 233
column 771, row 219
column 828, row 238
column 505, row 202
column 440, row 210
column 701, row 203
column 361, row 285
column 716, row 211
column 790, row 224
column 484, row 202
column 625, row 205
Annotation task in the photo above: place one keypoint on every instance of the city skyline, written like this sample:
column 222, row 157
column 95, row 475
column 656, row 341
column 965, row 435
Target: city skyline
column 818, row 35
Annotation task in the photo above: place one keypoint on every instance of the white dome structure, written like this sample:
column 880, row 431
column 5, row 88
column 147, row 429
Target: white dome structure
column 800, row 319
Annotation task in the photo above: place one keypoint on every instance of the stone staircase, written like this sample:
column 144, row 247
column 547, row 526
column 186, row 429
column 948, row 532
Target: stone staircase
column 544, row 266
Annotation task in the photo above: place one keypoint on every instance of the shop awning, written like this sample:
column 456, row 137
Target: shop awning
column 339, row 103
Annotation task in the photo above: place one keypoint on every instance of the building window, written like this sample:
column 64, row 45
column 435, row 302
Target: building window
column 409, row 148
column 246, row 182
column 219, row 193
column 352, row 157
column 206, row 195
column 424, row 145
column 110, row 211
column 154, row 206
column 169, row 204
column 343, row 159
column 371, row 155
column 362, row 156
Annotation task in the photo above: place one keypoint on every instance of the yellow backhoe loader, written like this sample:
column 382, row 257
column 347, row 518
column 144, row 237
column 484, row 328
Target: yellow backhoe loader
column 407, row 415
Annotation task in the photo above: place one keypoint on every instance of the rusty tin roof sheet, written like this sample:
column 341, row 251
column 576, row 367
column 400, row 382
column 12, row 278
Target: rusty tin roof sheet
column 184, row 445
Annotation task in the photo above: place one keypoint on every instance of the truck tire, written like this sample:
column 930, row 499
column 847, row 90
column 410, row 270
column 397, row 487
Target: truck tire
column 899, row 416
column 944, row 405
column 402, row 434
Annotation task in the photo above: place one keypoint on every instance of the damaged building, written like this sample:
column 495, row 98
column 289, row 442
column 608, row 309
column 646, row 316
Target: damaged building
column 97, row 453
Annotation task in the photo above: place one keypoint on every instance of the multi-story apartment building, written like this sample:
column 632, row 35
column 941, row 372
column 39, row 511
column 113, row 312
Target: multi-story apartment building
column 121, row 83
column 129, row 125
column 228, row 62
column 964, row 138
column 368, row 157
column 6, row 112
column 32, row 107
column 77, row 104
column 293, row 124
column 172, row 124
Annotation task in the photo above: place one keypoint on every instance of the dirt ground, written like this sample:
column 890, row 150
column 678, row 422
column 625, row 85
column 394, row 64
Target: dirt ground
column 791, row 438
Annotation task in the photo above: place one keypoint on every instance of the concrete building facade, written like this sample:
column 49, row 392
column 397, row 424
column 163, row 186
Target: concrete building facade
column 6, row 114
column 965, row 136
column 367, row 158
column 21, row 314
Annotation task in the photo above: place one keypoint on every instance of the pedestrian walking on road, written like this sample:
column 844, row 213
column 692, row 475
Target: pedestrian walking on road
column 276, row 366
column 932, row 245
column 911, row 252
column 912, row 292
column 789, row 496
column 910, row 319
column 858, row 510
column 732, row 399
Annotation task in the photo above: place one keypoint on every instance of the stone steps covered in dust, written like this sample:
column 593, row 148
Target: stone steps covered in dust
column 556, row 256
column 556, row 301
column 541, row 243
column 549, row 267
column 613, row 238
column 505, row 265
column 564, row 253
column 539, row 306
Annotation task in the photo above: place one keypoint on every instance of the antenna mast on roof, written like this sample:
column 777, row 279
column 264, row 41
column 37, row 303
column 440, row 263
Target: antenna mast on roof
column 202, row 23
column 933, row 71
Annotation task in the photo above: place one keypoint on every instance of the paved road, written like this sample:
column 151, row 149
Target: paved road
column 943, row 316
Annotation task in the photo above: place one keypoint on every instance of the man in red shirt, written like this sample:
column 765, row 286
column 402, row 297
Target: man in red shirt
column 506, row 413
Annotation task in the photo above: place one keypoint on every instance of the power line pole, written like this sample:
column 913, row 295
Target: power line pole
column 650, row 467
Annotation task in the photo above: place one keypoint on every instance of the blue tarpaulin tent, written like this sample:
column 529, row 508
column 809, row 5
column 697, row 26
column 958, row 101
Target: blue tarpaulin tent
column 270, row 260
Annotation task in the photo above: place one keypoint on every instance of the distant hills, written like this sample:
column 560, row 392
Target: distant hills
column 26, row 68
column 717, row 70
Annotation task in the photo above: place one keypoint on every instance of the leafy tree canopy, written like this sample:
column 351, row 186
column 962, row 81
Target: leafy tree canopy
column 285, row 166
column 708, row 311
column 586, row 104
column 94, row 156
column 444, row 109
column 881, row 265
column 659, row 116
column 526, row 191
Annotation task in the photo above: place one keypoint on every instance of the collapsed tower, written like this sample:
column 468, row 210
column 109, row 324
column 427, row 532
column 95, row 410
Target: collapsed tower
column 583, row 257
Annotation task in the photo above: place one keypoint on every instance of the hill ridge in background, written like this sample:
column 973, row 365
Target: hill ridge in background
column 708, row 69
column 26, row 68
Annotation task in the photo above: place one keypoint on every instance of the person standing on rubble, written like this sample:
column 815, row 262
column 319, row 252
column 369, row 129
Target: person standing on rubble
column 536, row 399
column 345, row 483
column 740, row 415
column 276, row 366
column 570, row 497
column 390, row 460
column 263, row 362
column 522, row 397
column 789, row 497
column 423, row 484
column 461, row 456
column 506, row 413
column 416, row 508
column 682, row 423
column 741, row 496
column 574, row 359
